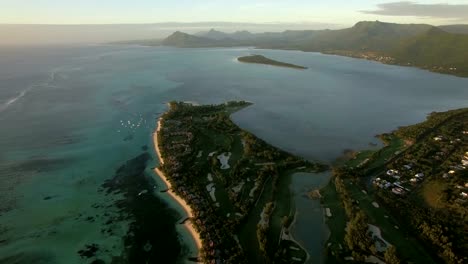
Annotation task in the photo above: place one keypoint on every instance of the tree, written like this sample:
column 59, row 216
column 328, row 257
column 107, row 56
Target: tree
column 356, row 237
column 390, row 256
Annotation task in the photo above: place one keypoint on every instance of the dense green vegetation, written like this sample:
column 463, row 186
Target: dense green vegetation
column 435, row 50
column 420, row 45
column 434, row 120
column 364, row 36
column 435, row 206
column 233, row 181
column 264, row 60
column 356, row 238
column 414, row 192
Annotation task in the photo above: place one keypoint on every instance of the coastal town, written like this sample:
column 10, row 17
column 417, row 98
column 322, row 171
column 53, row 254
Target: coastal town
column 387, row 59
column 416, row 185
column 367, row 55
column 226, row 180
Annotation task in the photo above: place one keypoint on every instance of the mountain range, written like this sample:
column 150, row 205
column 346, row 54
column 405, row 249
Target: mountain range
column 441, row 49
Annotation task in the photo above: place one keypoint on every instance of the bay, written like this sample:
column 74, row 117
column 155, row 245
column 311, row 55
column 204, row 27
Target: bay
column 71, row 116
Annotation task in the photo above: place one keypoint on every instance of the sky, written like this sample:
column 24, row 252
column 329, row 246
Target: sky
column 98, row 21
column 340, row 12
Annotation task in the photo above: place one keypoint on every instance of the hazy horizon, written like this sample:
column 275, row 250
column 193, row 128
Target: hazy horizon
column 57, row 34
column 15, row 34
column 86, row 21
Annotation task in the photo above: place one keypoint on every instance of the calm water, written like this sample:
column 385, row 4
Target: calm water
column 70, row 116
column 310, row 228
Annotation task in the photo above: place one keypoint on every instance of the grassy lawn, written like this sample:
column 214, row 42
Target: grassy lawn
column 360, row 158
column 205, row 145
column 237, row 150
column 248, row 231
column 336, row 223
column 283, row 207
column 245, row 194
column 408, row 247
column 193, row 133
column 432, row 193
column 381, row 157
column 330, row 198
column 219, row 141
column 427, row 156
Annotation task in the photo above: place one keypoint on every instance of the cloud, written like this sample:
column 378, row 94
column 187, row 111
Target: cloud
column 407, row 8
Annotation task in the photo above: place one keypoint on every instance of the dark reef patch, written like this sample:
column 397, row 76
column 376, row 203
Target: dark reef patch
column 128, row 138
column 152, row 237
column 89, row 251
column 49, row 197
column 38, row 163
column 29, row 257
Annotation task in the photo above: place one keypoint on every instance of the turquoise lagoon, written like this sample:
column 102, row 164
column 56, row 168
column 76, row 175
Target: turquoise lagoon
column 70, row 117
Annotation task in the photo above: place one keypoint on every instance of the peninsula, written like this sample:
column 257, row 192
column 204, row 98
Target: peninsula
column 404, row 203
column 233, row 185
column 259, row 59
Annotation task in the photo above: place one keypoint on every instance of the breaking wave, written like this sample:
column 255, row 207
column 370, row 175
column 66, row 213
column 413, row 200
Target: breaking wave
column 11, row 101
column 52, row 77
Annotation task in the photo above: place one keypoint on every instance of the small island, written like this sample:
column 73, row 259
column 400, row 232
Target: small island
column 259, row 59
column 233, row 185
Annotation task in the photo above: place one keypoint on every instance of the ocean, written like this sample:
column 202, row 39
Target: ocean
column 76, row 125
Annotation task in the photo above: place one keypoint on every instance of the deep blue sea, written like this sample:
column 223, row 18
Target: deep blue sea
column 71, row 116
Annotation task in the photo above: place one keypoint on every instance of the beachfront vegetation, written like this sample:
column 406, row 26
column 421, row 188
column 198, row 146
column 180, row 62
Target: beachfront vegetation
column 390, row 256
column 232, row 180
column 414, row 189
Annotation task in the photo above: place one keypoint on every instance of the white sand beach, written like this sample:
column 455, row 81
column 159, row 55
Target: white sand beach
column 188, row 224
column 155, row 140
column 188, row 210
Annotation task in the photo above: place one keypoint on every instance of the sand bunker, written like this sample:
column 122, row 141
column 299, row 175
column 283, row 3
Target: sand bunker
column 210, row 188
column 238, row 188
column 224, row 159
column 380, row 244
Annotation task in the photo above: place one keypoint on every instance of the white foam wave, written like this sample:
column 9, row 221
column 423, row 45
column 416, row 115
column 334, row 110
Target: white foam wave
column 53, row 75
column 11, row 101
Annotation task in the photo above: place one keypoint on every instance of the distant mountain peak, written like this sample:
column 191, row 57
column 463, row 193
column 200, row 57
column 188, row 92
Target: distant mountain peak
column 181, row 39
column 178, row 33
column 243, row 31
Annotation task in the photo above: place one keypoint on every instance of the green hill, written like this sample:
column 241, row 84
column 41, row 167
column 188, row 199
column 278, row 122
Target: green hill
column 436, row 50
column 364, row 36
column 456, row 29
column 418, row 45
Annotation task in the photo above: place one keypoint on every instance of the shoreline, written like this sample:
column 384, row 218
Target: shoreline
column 156, row 143
column 187, row 209
column 291, row 237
